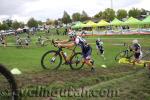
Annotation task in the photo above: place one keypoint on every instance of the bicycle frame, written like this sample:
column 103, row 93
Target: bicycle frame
column 61, row 52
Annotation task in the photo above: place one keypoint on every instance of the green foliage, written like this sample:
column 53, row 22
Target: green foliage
column 56, row 22
column 49, row 21
column 4, row 26
column 121, row 13
column 16, row 25
column 76, row 17
column 84, row 16
column 39, row 22
column 8, row 22
column 134, row 12
column 108, row 14
column 66, row 18
column 32, row 23
column 99, row 15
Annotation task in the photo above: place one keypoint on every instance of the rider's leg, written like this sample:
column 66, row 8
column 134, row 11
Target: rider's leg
column 102, row 54
column 137, row 58
column 88, row 61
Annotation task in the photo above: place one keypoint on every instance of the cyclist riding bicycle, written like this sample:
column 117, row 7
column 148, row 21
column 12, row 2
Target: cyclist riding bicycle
column 136, row 48
column 85, row 47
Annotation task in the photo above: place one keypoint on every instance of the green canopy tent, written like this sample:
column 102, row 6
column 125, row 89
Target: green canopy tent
column 90, row 24
column 103, row 23
column 116, row 22
column 78, row 25
column 132, row 21
column 146, row 20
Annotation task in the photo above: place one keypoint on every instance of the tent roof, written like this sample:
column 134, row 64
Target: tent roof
column 78, row 25
column 132, row 21
column 90, row 24
column 102, row 23
column 116, row 22
column 146, row 20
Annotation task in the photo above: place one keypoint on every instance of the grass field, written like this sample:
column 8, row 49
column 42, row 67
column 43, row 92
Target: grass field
column 132, row 83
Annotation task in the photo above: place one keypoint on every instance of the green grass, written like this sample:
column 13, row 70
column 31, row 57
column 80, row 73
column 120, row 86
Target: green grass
column 28, row 61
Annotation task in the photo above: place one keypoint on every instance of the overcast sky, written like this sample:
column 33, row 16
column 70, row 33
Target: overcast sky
column 22, row 10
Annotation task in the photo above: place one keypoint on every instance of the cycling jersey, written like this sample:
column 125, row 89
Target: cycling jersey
column 137, row 47
column 138, row 52
column 99, row 45
column 86, row 49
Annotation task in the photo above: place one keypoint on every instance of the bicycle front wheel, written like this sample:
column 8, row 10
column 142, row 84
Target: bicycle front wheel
column 51, row 60
column 8, row 86
column 76, row 61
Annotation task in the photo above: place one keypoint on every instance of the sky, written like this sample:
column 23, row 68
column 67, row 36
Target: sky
column 22, row 10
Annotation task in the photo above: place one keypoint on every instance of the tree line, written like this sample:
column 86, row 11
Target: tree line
column 108, row 15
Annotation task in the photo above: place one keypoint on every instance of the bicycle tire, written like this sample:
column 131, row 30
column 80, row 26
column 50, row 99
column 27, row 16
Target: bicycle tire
column 71, row 60
column 57, row 54
column 11, row 81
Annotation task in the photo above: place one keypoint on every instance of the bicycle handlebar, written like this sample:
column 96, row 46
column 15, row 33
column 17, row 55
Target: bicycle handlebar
column 54, row 44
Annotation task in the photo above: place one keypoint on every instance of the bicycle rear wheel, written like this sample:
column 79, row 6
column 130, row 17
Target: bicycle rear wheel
column 76, row 61
column 122, row 54
column 51, row 60
column 8, row 86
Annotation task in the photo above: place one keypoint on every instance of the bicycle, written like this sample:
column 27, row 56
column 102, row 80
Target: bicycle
column 127, row 53
column 75, row 60
column 8, row 85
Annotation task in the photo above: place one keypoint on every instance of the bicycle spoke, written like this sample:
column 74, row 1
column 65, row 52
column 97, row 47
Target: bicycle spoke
column 51, row 60
column 77, row 61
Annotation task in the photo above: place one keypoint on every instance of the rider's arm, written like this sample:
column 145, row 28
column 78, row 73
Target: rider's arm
column 62, row 41
column 69, row 45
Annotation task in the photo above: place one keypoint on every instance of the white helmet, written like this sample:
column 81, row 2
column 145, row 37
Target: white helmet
column 71, row 34
column 99, row 39
column 135, row 41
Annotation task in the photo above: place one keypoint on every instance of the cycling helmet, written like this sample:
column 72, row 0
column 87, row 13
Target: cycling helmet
column 99, row 39
column 71, row 34
column 135, row 41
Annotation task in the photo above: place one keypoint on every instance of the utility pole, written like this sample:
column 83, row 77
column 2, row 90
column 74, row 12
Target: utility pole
column 111, row 4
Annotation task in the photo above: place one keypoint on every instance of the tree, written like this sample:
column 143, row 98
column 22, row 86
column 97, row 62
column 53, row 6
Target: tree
column 134, row 12
column 8, row 22
column 32, row 23
column 22, row 24
column 16, row 25
column 84, row 16
column 143, row 12
column 49, row 21
column 39, row 22
column 76, row 17
column 56, row 22
column 0, row 26
column 98, row 15
column 108, row 14
column 4, row 26
column 66, row 18
column 121, row 13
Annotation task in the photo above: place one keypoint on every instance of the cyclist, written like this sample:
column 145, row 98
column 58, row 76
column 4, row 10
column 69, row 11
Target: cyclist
column 85, row 47
column 99, row 47
column 136, row 48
